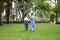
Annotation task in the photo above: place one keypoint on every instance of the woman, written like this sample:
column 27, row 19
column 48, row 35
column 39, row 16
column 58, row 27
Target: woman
column 26, row 23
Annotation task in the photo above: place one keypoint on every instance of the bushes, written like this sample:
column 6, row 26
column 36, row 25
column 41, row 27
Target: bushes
column 14, row 22
column 43, row 21
column 58, row 22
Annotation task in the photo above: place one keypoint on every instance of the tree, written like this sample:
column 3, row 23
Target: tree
column 24, row 6
column 8, row 9
column 43, row 7
column 57, row 9
column 1, row 9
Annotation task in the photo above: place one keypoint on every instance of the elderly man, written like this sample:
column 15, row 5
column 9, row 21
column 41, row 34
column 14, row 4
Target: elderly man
column 32, row 21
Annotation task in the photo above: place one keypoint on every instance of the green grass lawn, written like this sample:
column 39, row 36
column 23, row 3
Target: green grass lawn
column 42, row 32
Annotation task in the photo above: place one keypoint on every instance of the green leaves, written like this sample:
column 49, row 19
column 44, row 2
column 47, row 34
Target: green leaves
column 40, row 4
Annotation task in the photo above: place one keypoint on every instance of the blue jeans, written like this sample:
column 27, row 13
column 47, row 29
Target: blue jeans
column 26, row 25
column 32, row 25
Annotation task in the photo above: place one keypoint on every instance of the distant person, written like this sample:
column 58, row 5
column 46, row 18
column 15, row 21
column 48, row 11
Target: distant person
column 32, row 22
column 26, row 23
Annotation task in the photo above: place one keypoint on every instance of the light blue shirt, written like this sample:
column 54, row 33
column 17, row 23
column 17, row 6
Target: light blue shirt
column 32, row 20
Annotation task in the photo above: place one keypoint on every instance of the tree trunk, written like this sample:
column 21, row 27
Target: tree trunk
column 0, row 18
column 7, row 15
column 1, row 9
column 58, row 6
column 8, row 10
column 23, row 15
column 58, row 9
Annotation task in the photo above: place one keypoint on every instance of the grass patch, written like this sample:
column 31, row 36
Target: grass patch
column 42, row 32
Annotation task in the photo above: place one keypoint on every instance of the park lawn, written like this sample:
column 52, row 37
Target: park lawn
column 43, row 31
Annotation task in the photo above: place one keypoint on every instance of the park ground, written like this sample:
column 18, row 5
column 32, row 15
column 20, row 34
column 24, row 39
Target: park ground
column 43, row 31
